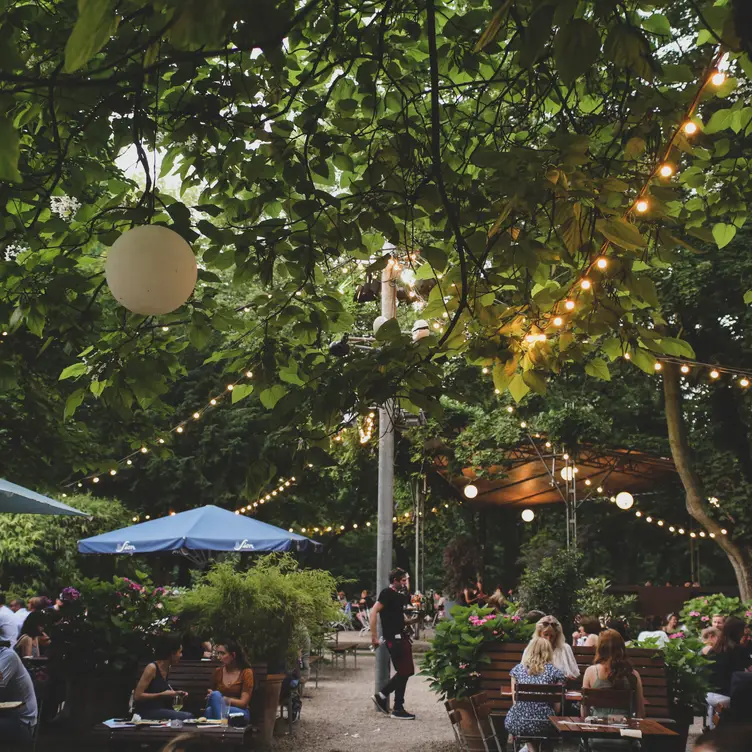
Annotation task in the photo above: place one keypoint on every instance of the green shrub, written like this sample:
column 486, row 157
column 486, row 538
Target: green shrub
column 697, row 613
column 263, row 607
column 595, row 600
column 459, row 648
column 552, row 586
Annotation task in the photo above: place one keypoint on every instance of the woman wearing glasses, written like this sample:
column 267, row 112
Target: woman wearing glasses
column 550, row 629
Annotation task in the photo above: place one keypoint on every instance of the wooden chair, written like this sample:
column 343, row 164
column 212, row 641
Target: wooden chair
column 482, row 707
column 550, row 694
column 456, row 720
column 613, row 699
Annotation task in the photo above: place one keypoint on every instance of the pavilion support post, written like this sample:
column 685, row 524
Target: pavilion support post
column 384, row 538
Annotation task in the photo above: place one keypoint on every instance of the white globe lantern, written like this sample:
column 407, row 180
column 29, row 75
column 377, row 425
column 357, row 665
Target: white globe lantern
column 378, row 322
column 528, row 515
column 151, row 270
column 470, row 491
column 624, row 500
column 421, row 329
column 567, row 473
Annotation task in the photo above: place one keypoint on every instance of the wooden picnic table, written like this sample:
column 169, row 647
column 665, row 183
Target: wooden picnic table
column 573, row 695
column 580, row 727
column 216, row 735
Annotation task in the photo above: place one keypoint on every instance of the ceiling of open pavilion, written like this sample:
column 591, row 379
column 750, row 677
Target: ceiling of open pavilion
column 532, row 475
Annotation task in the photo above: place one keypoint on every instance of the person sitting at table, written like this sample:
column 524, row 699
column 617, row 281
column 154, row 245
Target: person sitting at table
column 366, row 600
column 472, row 595
column 531, row 718
column 651, row 630
column 728, row 656
column 672, row 625
column 497, row 600
column 563, row 658
column 587, row 632
column 154, row 695
column 16, row 725
column 31, row 632
column 231, row 683
column 612, row 669
column 709, row 637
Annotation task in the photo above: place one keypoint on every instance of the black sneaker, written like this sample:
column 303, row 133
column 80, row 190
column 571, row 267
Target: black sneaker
column 381, row 703
column 402, row 715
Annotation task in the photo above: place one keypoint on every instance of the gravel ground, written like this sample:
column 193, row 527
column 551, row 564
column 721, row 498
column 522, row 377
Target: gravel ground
column 340, row 717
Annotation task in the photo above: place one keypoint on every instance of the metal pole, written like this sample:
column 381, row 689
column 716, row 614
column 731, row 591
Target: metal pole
column 418, row 520
column 386, row 478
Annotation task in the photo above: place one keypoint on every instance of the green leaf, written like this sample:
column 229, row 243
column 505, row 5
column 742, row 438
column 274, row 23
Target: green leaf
column 723, row 234
column 518, row 388
column 535, row 381
column 77, row 369
column 677, row 347
column 719, row 121
column 634, row 147
column 643, row 360
column 9, row 152
column 576, row 48
column 748, row 296
column 73, row 402
column 241, row 391
column 269, row 397
column 96, row 23
column 598, row 368
column 622, row 233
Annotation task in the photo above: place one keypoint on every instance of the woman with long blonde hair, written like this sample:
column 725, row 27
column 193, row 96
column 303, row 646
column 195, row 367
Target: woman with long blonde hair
column 531, row 718
column 550, row 628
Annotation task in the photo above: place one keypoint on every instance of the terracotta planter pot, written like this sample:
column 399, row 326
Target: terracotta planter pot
column 271, row 693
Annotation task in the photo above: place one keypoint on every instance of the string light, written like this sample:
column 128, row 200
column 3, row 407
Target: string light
column 657, row 366
column 690, row 128
column 641, row 206
column 684, row 369
column 601, row 263
column 666, row 170
column 718, row 78
column 714, row 374
column 744, row 382
column 569, row 305
column 586, row 284
column 558, row 321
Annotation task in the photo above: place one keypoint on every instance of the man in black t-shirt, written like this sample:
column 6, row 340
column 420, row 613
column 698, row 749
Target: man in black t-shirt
column 391, row 606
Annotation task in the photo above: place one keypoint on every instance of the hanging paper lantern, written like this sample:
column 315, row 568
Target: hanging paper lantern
column 151, row 270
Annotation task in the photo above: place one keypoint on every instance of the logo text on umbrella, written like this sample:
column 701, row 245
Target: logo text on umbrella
column 244, row 545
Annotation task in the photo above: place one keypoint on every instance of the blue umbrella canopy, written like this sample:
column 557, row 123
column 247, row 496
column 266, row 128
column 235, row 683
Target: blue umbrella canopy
column 207, row 528
column 19, row 500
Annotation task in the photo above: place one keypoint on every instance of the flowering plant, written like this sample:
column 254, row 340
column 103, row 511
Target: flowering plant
column 459, row 648
column 108, row 626
column 697, row 613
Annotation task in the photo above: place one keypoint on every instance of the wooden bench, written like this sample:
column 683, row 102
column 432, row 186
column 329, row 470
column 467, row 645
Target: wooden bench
column 195, row 678
column 494, row 676
column 341, row 649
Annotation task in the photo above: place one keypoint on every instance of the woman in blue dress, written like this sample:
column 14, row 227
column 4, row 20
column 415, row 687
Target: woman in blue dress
column 531, row 718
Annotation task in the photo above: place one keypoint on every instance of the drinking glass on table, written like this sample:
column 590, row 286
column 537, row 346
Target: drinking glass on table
column 177, row 701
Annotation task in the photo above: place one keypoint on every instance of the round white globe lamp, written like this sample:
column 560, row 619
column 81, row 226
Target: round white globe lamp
column 624, row 500
column 151, row 270
column 528, row 515
column 470, row 491
column 378, row 322
column 567, row 473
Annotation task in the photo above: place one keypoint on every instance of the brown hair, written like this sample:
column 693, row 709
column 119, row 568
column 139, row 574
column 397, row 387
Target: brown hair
column 612, row 653
column 590, row 625
column 731, row 635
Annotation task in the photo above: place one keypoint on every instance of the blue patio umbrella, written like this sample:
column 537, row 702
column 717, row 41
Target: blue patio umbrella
column 207, row 528
column 19, row 500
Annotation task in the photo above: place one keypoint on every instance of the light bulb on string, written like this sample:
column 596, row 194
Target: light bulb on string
column 624, row 500
column 179, row 429
column 196, row 416
column 657, row 366
column 744, row 382
column 641, row 206
column 599, row 489
column 212, row 402
column 586, row 284
column 714, row 374
column 718, row 78
column 558, row 321
column 666, row 170
column 684, row 369
column 528, row 515
column 601, row 263
column 470, row 491
column 569, row 305
column 113, row 472
column 690, row 128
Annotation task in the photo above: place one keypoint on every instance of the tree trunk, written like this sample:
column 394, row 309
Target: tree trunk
column 739, row 556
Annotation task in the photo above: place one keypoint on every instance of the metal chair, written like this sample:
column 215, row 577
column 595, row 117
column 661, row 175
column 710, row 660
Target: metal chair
column 549, row 694
column 456, row 720
column 614, row 701
column 481, row 705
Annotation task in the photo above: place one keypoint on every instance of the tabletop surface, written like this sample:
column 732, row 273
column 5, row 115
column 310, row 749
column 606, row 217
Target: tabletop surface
column 577, row 725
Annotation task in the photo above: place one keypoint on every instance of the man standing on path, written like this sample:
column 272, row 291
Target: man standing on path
column 391, row 605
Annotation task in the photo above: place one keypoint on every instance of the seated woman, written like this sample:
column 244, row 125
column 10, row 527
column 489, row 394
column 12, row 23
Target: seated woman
column 550, row 629
column 531, row 718
column 672, row 625
column 587, row 632
column 32, row 632
column 154, row 695
column 232, row 683
column 611, row 669
column 728, row 656
column 651, row 630
column 709, row 637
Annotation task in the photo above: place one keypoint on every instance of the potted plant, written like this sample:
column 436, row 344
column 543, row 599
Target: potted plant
column 98, row 637
column 687, row 677
column 262, row 608
column 697, row 613
column 460, row 648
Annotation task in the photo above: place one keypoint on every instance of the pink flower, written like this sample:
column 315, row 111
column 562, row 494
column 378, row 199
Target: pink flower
column 516, row 618
column 495, row 631
column 694, row 613
column 676, row 636
column 705, row 618
column 159, row 605
column 463, row 665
